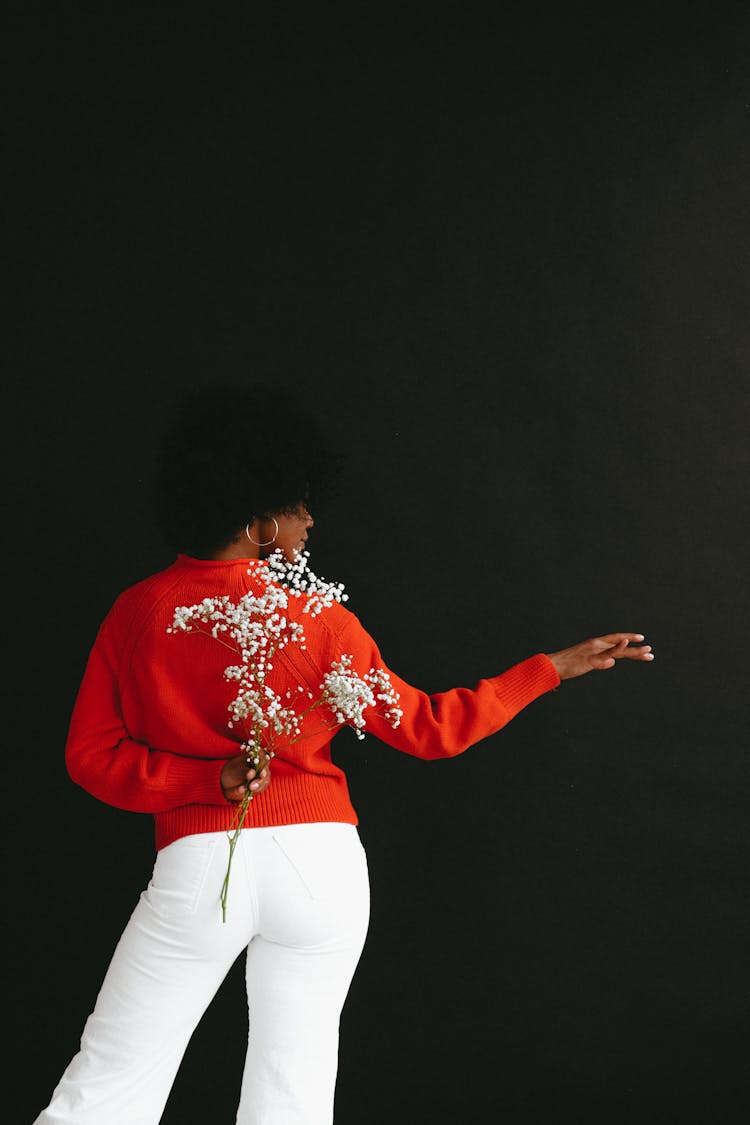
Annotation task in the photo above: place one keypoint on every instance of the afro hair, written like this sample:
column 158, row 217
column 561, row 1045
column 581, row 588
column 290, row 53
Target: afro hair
column 231, row 453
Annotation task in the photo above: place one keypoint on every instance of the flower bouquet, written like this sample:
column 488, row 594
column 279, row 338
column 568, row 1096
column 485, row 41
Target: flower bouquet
column 257, row 627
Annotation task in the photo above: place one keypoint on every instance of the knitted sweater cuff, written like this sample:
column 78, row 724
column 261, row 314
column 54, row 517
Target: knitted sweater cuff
column 525, row 682
column 196, row 781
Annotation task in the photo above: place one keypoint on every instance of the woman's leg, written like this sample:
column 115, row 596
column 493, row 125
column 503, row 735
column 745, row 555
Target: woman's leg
column 168, row 965
column 313, row 907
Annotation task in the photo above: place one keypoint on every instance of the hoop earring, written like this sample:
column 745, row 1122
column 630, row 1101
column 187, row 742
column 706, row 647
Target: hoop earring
column 269, row 542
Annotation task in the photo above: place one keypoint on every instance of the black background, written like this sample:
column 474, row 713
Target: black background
column 506, row 256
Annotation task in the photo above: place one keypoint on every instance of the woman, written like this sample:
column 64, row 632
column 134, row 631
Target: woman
column 149, row 733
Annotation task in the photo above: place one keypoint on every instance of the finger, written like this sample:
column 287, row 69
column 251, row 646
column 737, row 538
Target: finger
column 608, row 660
column 631, row 652
column 643, row 652
column 613, row 650
column 616, row 638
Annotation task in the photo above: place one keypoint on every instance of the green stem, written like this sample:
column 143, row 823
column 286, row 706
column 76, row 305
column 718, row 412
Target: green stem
column 194, row 630
column 233, row 834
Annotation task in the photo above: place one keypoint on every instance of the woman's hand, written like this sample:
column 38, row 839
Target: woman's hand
column 237, row 775
column 598, row 652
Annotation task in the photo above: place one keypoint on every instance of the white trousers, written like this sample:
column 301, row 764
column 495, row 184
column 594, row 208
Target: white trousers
column 299, row 900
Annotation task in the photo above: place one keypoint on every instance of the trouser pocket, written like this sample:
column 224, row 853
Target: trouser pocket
column 179, row 874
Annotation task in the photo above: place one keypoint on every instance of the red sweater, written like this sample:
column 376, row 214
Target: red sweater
column 149, row 726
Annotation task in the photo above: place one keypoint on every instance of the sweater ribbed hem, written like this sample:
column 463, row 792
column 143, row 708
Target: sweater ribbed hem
column 296, row 799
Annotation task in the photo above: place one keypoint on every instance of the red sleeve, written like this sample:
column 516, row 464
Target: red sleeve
column 102, row 757
column 449, row 722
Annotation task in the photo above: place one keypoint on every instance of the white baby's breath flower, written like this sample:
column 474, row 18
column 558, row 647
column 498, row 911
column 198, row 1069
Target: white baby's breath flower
column 387, row 695
column 347, row 694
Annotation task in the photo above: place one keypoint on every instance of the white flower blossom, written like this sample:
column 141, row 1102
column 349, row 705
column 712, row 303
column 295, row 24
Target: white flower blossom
column 347, row 694
column 387, row 695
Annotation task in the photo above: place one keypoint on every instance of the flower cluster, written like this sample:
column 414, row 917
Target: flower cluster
column 301, row 581
column 385, row 694
column 348, row 695
column 255, row 629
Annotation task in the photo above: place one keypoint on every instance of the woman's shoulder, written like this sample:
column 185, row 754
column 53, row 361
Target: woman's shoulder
column 342, row 625
column 153, row 583
column 139, row 597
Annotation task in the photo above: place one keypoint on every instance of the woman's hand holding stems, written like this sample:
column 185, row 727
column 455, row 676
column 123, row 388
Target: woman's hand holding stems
column 237, row 775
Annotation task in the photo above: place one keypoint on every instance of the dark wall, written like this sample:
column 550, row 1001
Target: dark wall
column 508, row 261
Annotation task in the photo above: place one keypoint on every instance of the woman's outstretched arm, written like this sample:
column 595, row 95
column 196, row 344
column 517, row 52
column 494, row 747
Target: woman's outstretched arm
column 447, row 723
